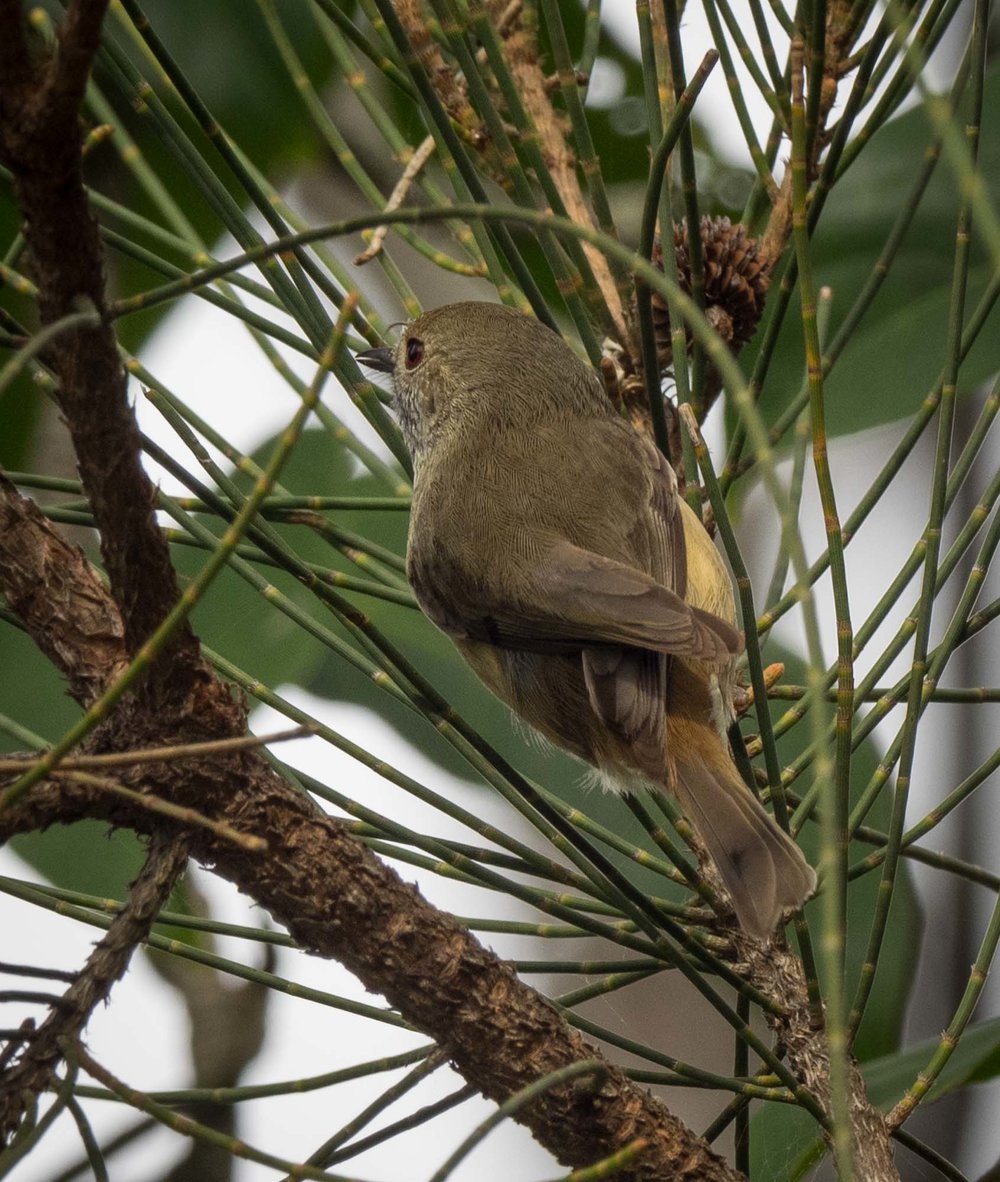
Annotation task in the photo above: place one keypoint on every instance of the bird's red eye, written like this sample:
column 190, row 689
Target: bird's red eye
column 414, row 352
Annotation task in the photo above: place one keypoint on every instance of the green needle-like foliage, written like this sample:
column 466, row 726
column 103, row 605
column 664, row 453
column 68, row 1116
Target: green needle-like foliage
column 322, row 175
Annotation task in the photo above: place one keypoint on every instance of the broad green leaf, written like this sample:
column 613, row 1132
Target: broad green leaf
column 20, row 411
column 975, row 1060
column 896, row 353
column 86, row 856
column 259, row 106
column 785, row 1149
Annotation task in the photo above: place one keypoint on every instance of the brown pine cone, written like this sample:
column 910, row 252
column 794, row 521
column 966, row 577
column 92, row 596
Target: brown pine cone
column 736, row 282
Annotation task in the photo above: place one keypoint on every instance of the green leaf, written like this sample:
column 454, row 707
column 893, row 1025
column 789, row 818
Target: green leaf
column 975, row 1060
column 785, row 1144
column 20, row 410
column 896, row 353
column 86, row 856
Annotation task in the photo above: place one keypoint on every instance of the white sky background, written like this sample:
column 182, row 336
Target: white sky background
column 196, row 354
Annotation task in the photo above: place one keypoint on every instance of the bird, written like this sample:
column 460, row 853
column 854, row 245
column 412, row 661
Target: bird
column 549, row 541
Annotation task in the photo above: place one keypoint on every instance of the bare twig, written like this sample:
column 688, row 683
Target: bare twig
column 396, row 198
column 33, row 1071
column 161, row 754
column 166, row 808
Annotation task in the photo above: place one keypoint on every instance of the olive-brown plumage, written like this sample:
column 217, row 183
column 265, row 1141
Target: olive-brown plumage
column 548, row 541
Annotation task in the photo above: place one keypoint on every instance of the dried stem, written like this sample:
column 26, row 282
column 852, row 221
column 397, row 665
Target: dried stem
column 34, row 1070
column 398, row 195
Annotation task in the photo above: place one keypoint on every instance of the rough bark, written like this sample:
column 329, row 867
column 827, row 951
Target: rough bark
column 324, row 885
column 328, row 889
column 338, row 900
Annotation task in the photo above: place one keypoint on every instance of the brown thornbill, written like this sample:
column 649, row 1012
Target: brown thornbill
column 548, row 541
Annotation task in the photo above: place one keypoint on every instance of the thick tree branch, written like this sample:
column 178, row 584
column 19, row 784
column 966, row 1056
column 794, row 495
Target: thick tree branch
column 331, row 893
column 338, row 900
column 40, row 142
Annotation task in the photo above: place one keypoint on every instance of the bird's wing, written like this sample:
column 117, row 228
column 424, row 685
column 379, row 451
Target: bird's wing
column 572, row 599
column 613, row 593
column 627, row 690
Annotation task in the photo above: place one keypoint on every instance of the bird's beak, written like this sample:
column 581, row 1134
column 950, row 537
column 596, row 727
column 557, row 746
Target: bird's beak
column 384, row 360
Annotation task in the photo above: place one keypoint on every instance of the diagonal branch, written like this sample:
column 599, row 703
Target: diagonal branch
column 40, row 142
column 337, row 899
column 35, row 1069
column 59, row 598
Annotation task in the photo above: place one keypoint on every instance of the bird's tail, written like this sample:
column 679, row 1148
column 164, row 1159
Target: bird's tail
column 764, row 871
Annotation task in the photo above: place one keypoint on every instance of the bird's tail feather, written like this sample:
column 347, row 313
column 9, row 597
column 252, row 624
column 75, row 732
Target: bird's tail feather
column 764, row 871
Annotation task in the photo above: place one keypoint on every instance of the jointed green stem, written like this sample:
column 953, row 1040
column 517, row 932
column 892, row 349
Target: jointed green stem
column 653, row 205
column 465, row 176
column 834, row 780
column 932, row 539
column 765, row 179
